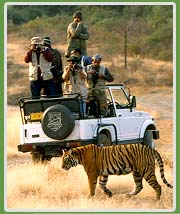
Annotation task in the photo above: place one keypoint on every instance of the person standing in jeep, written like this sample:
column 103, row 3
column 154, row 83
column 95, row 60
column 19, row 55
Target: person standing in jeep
column 77, row 34
column 57, row 66
column 75, row 79
column 40, row 76
column 96, row 77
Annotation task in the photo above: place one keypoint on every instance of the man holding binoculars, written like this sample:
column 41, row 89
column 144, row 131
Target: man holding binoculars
column 40, row 75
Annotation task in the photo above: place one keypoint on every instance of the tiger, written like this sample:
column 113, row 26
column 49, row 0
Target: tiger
column 102, row 161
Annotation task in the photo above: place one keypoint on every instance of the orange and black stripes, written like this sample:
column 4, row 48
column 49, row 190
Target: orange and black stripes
column 117, row 160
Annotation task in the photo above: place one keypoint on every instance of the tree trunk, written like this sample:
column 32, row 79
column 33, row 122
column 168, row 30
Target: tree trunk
column 125, row 51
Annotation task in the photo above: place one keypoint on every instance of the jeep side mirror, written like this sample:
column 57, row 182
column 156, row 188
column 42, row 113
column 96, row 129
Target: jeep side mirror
column 132, row 100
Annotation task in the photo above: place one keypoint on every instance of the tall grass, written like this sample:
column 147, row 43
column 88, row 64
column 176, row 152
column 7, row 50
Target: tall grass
column 13, row 130
column 142, row 72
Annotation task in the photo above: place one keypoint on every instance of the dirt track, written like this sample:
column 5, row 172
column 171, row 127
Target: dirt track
column 158, row 101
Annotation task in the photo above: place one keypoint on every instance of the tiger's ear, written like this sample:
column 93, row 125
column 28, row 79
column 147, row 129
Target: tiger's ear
column 64, row 150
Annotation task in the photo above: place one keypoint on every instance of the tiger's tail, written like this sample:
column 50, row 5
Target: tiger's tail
column 161, row 167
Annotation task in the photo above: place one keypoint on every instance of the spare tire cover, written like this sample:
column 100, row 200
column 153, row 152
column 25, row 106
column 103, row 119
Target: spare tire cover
column 57, row 122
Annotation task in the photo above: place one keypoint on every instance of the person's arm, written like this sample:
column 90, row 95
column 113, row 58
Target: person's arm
column 28, row 57
column 60, row 65
column 79, row 31
column 47, row 55
column 106, row 76
column 83, row 74
column 84, row 33
column 66, row 74
column 72, row 31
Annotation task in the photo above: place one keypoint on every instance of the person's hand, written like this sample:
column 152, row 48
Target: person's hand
column 101, row 76
column 32, row 47
column 70, row 65
column 91, row 72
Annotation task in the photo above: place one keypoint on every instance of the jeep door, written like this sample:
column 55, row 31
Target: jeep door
column 129, row 121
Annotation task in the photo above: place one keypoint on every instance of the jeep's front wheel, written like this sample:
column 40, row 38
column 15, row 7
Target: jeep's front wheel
column 103, row 140
column 148, row 139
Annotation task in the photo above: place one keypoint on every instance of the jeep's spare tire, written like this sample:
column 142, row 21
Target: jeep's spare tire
column 57, row 122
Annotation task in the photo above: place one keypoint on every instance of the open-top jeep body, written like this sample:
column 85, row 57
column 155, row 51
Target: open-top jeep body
column 52, row 124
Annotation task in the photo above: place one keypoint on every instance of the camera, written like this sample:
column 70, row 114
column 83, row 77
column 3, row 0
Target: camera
column 75, row 69
column 95, row 77
column 38, row 48
column 76, row 66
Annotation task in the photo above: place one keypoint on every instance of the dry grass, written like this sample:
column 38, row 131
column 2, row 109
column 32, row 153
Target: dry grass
column 13, row 124
column 49, row 187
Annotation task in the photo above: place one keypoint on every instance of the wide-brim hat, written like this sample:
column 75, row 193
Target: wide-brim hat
column 47, row 41
column 36, row 41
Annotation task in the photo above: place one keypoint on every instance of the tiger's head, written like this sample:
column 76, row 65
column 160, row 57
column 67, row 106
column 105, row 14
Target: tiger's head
column 69, row 159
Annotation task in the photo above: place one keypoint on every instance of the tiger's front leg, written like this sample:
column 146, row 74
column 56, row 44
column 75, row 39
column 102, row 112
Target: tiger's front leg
column 102, row 183
column 92, row 184
column 138, row 184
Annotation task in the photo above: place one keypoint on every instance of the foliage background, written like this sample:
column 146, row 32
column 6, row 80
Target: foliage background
column 149, row 28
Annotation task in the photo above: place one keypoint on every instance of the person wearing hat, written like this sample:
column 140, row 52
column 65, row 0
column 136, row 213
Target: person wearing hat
column 97, row 75
column 56, row 66
column 74, row 78
column 77, row 34
column 84, row 60
column 40, row 76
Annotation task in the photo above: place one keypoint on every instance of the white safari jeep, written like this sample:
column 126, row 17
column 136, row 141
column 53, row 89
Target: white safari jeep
column 52, row 124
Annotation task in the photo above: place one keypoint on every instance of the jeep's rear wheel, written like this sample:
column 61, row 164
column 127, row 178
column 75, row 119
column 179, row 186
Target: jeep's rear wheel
column 36, row 156
column 57, row 122
column 103, row 140
column 40, row 157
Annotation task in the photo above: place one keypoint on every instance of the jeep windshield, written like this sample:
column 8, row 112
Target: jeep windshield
column 119, row 96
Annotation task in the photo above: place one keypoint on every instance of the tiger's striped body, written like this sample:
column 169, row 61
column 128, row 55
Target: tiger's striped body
column 117, row 160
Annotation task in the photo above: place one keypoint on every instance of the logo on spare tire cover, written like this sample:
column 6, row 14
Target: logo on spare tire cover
column 54, row 121
column 57, row 122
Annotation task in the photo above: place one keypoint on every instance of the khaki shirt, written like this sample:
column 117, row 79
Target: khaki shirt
column 75, row 83
column 77, row 34
column 99, row 83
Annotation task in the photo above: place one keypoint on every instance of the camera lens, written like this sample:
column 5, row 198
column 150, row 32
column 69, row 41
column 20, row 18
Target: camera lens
column 38, row 48
column 75, row 66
